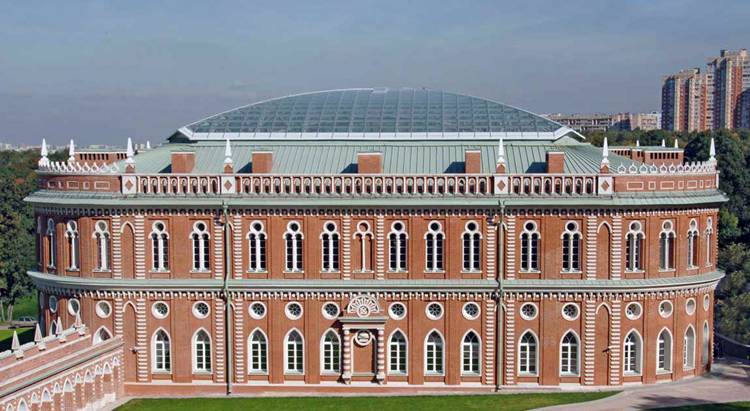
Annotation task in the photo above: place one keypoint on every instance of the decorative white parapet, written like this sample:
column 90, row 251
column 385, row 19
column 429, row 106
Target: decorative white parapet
column 695, row 167
column 61, row 167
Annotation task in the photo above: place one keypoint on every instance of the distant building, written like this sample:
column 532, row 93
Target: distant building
column 683, row 101
column 603, row 122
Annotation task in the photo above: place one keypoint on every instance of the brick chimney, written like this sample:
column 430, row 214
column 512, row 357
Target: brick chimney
column 370, row 163
column 183, row 162
column 472, row 162
column 555, row 162
column 262, row 162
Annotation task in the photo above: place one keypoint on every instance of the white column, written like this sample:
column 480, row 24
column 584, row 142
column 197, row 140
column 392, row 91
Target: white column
column 347, row 374
column 381, row 356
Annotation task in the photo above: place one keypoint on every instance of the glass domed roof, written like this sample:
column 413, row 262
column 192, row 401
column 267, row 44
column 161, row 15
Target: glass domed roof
column 367, row 113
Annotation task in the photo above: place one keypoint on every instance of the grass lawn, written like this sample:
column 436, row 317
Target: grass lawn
column 730, row 406
column 26, row 306
column 511, row 402
column 6, row 337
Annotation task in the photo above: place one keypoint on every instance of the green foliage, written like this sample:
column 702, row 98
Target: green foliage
column 6, row 337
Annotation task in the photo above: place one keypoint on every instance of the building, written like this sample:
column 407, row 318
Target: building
column 716, row 99
column 585, row 123
column 383, row 240
column 683, row 101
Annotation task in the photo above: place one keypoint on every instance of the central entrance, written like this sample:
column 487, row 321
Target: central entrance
column 364, row 349
column 364, row 355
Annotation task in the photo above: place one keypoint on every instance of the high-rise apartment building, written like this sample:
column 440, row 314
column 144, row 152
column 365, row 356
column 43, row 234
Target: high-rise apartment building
column 683, row 101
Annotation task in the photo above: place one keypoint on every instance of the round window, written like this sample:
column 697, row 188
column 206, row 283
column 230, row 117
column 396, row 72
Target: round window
column 74, row 307
column 434, row 226
column 330, row 310
column 160, row 309
column 397, row 311
column 690, row 306
column 706, row 302
column 434, row 311
column 398, row 226
column 571, row 226
column 472, row 226
column 294, row 311
column 201, row 309
column 528, row 311
column 665, row 309
column 635, row 226
column 257, row 310
column 530, row 226
column 570, row 311
column 103, row 309
column 471, row 311
column 257, row 226
column 633, row 311
column 52, row 303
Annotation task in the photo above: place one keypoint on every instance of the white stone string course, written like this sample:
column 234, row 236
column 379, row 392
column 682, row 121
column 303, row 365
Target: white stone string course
column 65, row 167
column 695, row 167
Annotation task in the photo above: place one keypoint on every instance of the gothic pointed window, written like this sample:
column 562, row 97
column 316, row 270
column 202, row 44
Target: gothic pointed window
column 159, row 247
column 294, row 353
column 51, row 243
column 470, row 354
column 709, row 238
column 632, row 353
column 74, row 249
column 571, row 248
column 258, row 357
column 472, row 243
column 161, row 352
column 102, row 239
column 331, row 352
column 664, row 352
column 666, row 246
column 397, row 247
column 434, row 354
column 201, row 352
column 634, row 247
column 688, row 350
column 200, row 240
column 434, row 241
column 692, row 248
column 569, row 354
column 330, row 247
column 256, row 240
column 527, row 354
column 397, row 349
column 294, row 251
column 530, row 247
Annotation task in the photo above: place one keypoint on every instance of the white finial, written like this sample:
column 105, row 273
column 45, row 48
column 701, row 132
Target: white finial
column 663, row 143
column 71, row 152
column 605, row 153
column 78, row 323
column 15, row 345
column 500, row 151
column 44, row 161
column 130, row 153
column 712, row 151
column 37, row 334
column 676, row 144
column 58, row 329
column 148, row 145
column 638, row 142
column 228, row 153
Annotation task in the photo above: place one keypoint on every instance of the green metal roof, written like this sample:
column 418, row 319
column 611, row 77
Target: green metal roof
column 399, row 157
column 405, row 113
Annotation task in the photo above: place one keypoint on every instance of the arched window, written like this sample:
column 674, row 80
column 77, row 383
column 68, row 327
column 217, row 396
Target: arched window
column 664, row 351
column 74, row 256
column 101, row 335
column 293, row 239
column 397, row 240
column 51, row 243
column 632, row 353
column 159, row 247
column 692, row 248
column 666, row 246
column 199, row 238
column 294, row 353
column 705, row 345
column 363, row 237
column 201, row 352
column 569, row 354
column 529, row 247
column 688, row 349
column 331, row 352
column 161, row 352
column 330, row 247
column 634, row 247
column 258, row 353
column 101, row 237
column 434, row 247
column 256, row 239
column 472, row 242
column 527, row 358
column 709, row 237
column 470, row 354
column 571, row 247
column 434, row 354
column 397, row 352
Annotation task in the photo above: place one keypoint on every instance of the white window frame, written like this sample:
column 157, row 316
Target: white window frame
column 574, row 239
column 524, row 350
column 637, row 351
column 688, row 349
column 52, row 243
column 262, row 348
column 634, row 240
column 531, row 240
column 475, row 354
column 74, row 249
column 428, row 345
column 667, row 246
column 164, row 365
column 693, row 235
column 398, row 258
column 257, row 241
column 664, row 365
column 467, row 315
column 472, row 261
column 328, row 349
column 253, row 314
column 330, row 249
column 102, row 334
column 709, row 236
column 400, row 355
column 301, row 359
column 706, row 344
column 294, row 252
column 159, row 247
column 206, row 353
column 365, row 242
column 200, row 240
column 103, row 240
column 434, row 239
column 567, row 360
